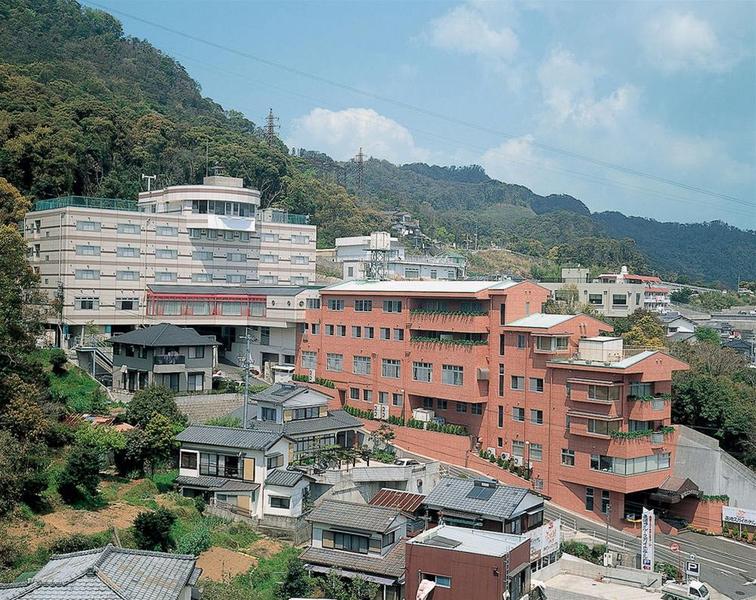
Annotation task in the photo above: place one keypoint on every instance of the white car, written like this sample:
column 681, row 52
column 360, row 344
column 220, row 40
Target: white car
column 405, row 462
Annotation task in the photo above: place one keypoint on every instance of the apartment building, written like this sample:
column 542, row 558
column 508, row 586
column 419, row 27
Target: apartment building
column 611, row 294
column 591, row 418
column 104, row 260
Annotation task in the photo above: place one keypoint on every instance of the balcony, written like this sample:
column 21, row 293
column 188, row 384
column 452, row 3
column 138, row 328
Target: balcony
column 652, row 408
column 630, row 444
column 168, row 363
column 450, row 320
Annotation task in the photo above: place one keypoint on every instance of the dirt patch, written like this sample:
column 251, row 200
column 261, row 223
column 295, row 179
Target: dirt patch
column 70, row 521
column 221, row 564
column 265, row 548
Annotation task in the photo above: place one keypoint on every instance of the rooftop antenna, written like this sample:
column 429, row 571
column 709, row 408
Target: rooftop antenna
column 271, row 125
column 150, row 179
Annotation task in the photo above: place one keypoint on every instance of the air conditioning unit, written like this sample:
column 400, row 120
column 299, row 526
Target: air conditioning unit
column 380, row 412
column 517, row 460
column 423, row 414
column 491, row 450
column 504, row 455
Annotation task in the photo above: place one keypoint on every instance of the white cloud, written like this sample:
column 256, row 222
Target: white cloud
column 515, row 161
column 465, row 29
column 680, row 41
column 340, row 134
column 569, row 95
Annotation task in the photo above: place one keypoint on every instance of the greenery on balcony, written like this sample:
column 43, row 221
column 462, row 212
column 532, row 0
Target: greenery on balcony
column 507, row 464
column 450, row 342
column 450, row 428
column 641, row 433
column 448, row 313
column 318, row 381
column 650, row 398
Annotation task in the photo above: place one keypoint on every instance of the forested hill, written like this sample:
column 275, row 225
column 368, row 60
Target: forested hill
column 461, row 203
column 86, row 110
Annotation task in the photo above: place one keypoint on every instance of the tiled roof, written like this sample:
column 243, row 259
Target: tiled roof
column 164, row 334
column 418, row 286
column 216, row 484
column 453, row 494
column 336, row 419
column 404, row 501
column 232, row 437
column 279, row 393
column 284, row 478
column 391, row 565
column 108, row 574
column 354, row 516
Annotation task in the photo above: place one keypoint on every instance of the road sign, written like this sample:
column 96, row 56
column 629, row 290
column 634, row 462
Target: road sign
column 675, row 547
column 692, row 558
column 692, row 569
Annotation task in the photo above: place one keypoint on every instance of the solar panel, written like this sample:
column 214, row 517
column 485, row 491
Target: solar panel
column 481, row 493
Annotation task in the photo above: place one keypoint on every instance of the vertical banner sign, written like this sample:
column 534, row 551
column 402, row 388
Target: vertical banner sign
column 648, row 525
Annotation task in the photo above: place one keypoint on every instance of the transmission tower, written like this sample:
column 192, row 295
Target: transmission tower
column 360, row 162
column 271, row 126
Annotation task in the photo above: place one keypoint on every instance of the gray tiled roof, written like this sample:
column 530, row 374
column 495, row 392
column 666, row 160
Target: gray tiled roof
column 284, row 477
column 336, row 419
column 451, row 493
column 232, row 437
column 220, row 290
column 164, row 334
column 108, row 574
column 354, row 516
column 391, row 565
column 216, row 484
column 280, row 392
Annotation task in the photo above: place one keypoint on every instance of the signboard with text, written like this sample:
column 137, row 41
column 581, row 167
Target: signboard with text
column 545, row 539
column 741, row 516
column 648, row 525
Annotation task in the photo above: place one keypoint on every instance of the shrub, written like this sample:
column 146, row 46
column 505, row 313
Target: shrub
column 58, row 360
column 199, row 504
column 151, row 400
column 81, row 473
column 227, row 421
column 152, row 530
column 196, row 541
column 296, row 583
column 77, row 542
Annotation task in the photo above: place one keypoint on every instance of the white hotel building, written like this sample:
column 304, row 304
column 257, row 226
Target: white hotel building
column 198, row 255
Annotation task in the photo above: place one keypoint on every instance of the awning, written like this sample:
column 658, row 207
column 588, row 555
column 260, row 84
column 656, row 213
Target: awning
column 351, row 574
column 424, row 589
column 674, row 489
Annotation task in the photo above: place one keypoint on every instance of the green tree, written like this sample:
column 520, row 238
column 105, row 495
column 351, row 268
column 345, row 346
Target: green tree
column 104, row 439
column 10, row 473
column 681, row 296
column 643, row 328
column 707, row 335
column 132, row 457
column 159, row 441
column 13, row 206
column 152, row 530
column 58, row 360
column 81, row 473
column 149, row 401
column 296, row 582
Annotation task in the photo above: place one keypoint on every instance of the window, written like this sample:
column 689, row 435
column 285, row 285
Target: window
column 382, row 397
column 329, row 329
column 599, row 462
column 126, row 252
column 518, row 382
column 392, row 306
column 166, row 253
column 269, row 237
column 356, row 331
column 129, row 228
column 619, row 300
column 313, row 302
column 367, row 395
column 361, row 365
column 188, row 460
column 441, row 580
column 500, row 442
column 257, row 309
column 536, row 384
column 411, row 273
column 502, row 314
column 346, row 541
column 398, row 334
column 127, row 275
column 334, row 362
column 268, row 258
column 461, row 407
column 165, row 276
column 518, row 414
column 203, row 255
column 195, row 382
column 87, row 303
column 640, row 390
column 269, row 279
column 428, row 403
column 568, row 457
column 452, row 374
column 385, row 333
column 265, row 336
column 201, row 277
column 551, row 344
column 502, row 343
column 341, row 330
column 603, row 393
column 335, row 304
column 422, row 371
column 312, row 412
column 237, row 257
column 589, row 498
column 388, row 539
column 298, row 259
column 279, row 502
column 354, row 393
column 87, row 226
column 442, row 404
column 87, row 274
column 127, row 303
column 391, row 368
column 315, row 328
column 596, row 299
column 369, row 332
column 605, row 497
column 500, row 417
column 274, row 462
column 268, row 414
column 501, row 380
column 196, row 352
column 602, row 427
column 309, row 359
column 536, row 416
column 166, row 230
column 518, row 448
column 536, row 452
column 396, row 399
column 300, row 239
column 521, row 343
column 87, row 250
column 363, row 305
column 476, row 409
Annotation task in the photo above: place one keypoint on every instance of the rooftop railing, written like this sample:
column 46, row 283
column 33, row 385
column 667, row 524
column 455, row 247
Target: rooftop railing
column 86, row 202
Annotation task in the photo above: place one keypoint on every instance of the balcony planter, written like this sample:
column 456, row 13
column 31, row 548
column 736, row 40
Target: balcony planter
column 426, row 340
column 657, row 437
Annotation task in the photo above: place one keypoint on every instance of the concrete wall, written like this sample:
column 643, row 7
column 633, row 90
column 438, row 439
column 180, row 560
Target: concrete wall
column 713, row 470
column 576, row 566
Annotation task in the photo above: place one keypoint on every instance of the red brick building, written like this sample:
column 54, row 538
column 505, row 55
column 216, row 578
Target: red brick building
column 590, row 417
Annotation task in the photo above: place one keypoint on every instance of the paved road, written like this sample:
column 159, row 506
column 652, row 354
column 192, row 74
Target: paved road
column 726, row 565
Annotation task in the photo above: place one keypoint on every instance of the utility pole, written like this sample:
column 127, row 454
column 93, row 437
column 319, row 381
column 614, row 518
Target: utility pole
column 271, row 125
column 150, row 179
column 246, row 362
column 606, row 538
column 360, row 161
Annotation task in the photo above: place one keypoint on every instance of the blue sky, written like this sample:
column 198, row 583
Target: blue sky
column 549, row 95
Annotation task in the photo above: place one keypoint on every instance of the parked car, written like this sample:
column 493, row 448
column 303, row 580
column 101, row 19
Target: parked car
column 405, row 462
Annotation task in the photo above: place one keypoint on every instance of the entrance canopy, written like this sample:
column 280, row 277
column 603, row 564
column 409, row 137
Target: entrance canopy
column 674, row 489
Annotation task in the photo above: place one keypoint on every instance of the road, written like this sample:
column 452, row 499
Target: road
column 728, row 566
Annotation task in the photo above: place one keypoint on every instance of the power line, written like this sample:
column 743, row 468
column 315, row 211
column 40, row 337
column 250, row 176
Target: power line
column 428, row 112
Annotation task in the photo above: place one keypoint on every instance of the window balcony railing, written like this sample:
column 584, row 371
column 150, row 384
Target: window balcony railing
column 169, row 359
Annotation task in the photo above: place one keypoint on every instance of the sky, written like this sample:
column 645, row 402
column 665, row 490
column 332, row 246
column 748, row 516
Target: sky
column 647, row 108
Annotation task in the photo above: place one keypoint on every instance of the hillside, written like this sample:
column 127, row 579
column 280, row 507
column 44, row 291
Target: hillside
column 461, row 203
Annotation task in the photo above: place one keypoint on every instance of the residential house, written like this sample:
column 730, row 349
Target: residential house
column 358, row 540
column 411, row 505
column 176, row 357
column 110, row 573
column 450, row 563
column 674, row 322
